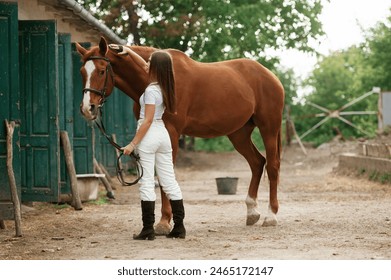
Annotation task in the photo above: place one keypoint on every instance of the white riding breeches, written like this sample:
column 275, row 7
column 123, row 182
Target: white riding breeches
column 155, row 151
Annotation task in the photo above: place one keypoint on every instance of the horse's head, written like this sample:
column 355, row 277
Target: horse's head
column 98, row 78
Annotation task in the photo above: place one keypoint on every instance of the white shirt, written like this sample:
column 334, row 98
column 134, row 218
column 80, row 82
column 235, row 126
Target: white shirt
column 152, row 95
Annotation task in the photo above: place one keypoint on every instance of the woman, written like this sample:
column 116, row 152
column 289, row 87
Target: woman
column 154, row 145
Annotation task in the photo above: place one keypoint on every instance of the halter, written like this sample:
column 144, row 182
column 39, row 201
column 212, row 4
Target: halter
column 109, row 70
column 102, row 129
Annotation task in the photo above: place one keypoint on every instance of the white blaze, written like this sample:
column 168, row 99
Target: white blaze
column 89, row 67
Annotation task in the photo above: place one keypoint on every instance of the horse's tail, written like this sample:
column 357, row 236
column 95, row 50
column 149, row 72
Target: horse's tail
column 279, row 145
column 279, row 154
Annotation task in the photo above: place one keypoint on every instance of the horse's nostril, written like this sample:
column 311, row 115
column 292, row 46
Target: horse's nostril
column 92, row 107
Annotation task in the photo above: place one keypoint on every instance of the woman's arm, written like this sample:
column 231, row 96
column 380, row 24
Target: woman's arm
column 144, row 127
column 126, row 50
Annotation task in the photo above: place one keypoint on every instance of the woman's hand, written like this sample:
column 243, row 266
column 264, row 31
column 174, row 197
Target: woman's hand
column 120, row 49
column 128, row 149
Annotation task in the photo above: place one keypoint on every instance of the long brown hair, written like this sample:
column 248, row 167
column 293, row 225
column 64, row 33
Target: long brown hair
column 161, row 70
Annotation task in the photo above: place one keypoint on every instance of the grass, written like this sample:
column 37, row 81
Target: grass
column 102, row 199
column 375, row 176
column 61, row 206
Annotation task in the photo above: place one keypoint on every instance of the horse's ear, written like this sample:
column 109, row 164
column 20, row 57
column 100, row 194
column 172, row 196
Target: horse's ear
column 103, row 46
column 80, row 49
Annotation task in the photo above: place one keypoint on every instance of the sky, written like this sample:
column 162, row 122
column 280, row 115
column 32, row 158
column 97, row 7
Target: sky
column 341, row 22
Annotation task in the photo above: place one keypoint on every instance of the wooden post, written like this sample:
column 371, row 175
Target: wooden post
column 109, row 189
column 298, row 138
column 11, row 176
column 380, row 113
column 107, row 174
column 288, row 126
column 98, row 169
column 76, row 201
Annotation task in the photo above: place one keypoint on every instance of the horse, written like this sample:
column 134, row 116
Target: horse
column 227, row 98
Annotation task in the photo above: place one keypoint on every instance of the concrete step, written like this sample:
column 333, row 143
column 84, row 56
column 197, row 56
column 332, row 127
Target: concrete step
column 377, row 150
column 367, row 163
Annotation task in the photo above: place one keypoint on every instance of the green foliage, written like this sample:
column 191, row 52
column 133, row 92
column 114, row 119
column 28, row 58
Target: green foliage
column 361, row 171
column 379, row 45
column 342, row 77
column 257, row 139
column 338, row 79
column 214, row 30
column 218, row 144
column 222, row 144
column 375, row 176
column 61, row 206
column 290, row 82
column 384, row 178
column 102, row 199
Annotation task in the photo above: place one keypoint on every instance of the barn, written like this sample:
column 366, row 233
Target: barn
column 40, row 90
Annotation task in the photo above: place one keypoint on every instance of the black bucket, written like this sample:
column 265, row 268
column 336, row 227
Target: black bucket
column 227, row 185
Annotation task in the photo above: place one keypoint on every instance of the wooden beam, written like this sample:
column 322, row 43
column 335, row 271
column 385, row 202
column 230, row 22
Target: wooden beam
column 109, row 189
column 76, row 201
column 10, row 126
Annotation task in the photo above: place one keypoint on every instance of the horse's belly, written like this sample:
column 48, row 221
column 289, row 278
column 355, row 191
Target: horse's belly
column 213, row 128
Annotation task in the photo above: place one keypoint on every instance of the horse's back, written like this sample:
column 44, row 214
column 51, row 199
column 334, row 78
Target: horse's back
column 219, row 98
column 237, row 79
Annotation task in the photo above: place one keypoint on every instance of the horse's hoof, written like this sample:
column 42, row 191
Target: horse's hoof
column 252, row 219
column 270, row 222
column 162, row 229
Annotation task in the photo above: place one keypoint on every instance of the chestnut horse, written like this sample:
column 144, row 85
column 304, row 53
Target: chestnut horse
column 213, row 99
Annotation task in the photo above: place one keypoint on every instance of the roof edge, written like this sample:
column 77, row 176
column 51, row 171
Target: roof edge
column 87, row 16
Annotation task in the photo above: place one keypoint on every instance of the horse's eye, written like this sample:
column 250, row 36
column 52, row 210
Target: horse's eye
column 101, row 72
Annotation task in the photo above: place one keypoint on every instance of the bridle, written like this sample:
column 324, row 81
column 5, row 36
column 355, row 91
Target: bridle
column 109, row 70
column 102, row 129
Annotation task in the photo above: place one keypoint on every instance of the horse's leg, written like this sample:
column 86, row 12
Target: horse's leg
column 272, row 141
column 241, row 139
column 164, row 226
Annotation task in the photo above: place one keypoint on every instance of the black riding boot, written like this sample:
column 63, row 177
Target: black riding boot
column 148, row 217
column 178, row 213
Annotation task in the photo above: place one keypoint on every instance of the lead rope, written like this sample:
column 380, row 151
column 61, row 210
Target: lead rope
column 119, row 170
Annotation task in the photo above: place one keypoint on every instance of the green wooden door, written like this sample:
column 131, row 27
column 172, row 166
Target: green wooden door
column 82, row 132
column 105, row 153
column 9, row 92
column 65, row 88
column 125, row 121
column 39, row 131
column 118, row 119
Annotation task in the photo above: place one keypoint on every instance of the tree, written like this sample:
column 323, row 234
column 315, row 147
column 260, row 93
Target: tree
column 337, row 79
column 345, row 75
column 379, row 45
column 212, row 30
column 290, row 83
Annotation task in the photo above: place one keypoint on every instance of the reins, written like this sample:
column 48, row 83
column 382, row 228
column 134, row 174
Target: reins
column 119, row 170
column 102, row 129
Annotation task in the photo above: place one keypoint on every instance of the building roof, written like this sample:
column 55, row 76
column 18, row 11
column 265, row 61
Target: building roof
column 72, row 12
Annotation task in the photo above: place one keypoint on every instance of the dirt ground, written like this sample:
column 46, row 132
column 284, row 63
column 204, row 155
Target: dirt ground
column 323, row 214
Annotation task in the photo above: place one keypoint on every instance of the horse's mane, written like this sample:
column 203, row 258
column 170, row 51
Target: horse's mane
column 143, row 48
column 148, row 50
